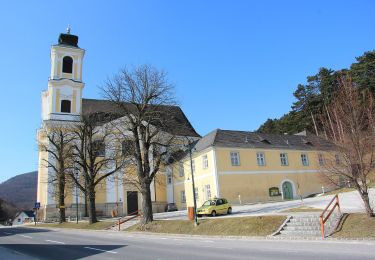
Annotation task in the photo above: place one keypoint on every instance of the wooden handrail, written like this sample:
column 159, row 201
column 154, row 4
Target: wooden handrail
column 133, row 215
column 323, row 219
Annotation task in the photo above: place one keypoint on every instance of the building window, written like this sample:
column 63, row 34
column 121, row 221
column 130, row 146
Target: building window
column 181, row 170
column 126, row 147
column 205, row 161
column 193, row 165
column 67, row 64
column 304, row 159
column 196, row 194
column 274, row 191
column 65, row 106
column 284, row 159
column 321, row 159
column 169, row 176
column 260, row 159
column 98, row 148
column 208, row 191
column 235, row 158
column 337, row 159
column 183, row 197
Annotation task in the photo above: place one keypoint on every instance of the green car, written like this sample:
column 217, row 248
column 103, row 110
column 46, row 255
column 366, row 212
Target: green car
column 215, row 207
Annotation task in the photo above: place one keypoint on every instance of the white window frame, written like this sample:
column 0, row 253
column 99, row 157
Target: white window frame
column 183, row 196
column 261, row 159
column 196, row 194
column 235, row 158
column 205, row 161
column 181, row 169
column 304, row 159
column 193, row 165
column 284, row 159
column 207, row 189
column 169, row 176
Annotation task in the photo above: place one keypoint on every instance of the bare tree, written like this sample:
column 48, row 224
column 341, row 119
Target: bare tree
column 143, row 96
column 350, row 124
column 96, row 156
column 58, row 145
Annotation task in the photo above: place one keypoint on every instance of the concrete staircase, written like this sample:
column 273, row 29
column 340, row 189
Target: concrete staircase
column 307, row 226
column 125, row 225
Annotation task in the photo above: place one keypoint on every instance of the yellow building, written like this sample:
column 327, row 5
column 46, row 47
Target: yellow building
column 62, row 106
column 247, row 167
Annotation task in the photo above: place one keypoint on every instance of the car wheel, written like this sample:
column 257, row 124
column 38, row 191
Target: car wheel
column 229, row 210
column 213, row 213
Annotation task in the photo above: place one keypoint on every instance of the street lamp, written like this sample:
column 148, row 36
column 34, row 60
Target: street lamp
column 77, row 197
column 190, row 145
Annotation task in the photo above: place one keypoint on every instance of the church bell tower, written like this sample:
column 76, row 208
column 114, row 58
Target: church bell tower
column 62, row 100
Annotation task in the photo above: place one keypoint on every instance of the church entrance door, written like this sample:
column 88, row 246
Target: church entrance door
column 132, row 202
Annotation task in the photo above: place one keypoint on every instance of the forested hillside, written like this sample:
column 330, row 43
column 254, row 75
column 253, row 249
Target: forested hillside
column 313, row 97
column 20, row 190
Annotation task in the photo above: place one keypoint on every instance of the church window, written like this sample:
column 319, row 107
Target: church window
column 98, row 148
column 65, row 106
column 67, row 64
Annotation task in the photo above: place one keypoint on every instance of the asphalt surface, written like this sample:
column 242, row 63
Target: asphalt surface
column 30, row 243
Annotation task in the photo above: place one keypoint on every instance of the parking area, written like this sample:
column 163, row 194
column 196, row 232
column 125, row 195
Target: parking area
column 350, row 202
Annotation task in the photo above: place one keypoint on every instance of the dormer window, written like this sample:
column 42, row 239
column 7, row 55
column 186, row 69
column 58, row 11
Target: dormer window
column 65, row 106
column 67, row 64
column 306, row 142
column 265, row 141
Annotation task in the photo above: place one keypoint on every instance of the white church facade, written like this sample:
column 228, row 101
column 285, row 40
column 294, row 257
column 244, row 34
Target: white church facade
column 63, row 105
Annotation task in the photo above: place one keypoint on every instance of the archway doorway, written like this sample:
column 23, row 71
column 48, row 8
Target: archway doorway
column 287, row 190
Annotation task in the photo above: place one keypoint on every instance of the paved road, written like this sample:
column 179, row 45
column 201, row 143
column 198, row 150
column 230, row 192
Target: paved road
column 29, row 243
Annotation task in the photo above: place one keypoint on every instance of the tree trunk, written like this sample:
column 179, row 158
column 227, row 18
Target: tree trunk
column 366, row 201
column 146, row 204
column 61, row 194
column 86, row 213
column 92, row 211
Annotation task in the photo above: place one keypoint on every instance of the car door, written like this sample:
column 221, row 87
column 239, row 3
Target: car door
column 219, row 206
column 225, row 206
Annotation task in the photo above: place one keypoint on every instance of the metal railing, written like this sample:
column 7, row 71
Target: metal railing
column 323, row 219
column 130, row 216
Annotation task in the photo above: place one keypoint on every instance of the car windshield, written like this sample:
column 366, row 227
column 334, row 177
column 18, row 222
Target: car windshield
column 209, row 203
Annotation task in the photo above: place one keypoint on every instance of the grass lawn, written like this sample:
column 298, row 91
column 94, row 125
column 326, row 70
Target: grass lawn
column 356, row 226
column 341, row 190
column 81, row 225
column 240, row 226
column 303, row 209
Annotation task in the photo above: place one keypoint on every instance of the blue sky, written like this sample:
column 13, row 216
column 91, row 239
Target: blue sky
column 234, row 63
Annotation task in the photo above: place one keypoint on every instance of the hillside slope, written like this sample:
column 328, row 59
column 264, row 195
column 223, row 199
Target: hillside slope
column 20, row 190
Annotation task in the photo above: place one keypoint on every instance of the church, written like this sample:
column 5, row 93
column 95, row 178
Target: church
column 63, row 104
column 243, row 167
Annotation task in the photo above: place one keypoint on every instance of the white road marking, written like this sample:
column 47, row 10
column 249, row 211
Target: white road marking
column 217, row 247
column 25, row 236
column 6, row 233
column 163, row 238
column 97, row 249
column 57, row 242
column 208, row 241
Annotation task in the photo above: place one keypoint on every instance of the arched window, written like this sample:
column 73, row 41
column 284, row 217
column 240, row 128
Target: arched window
column 65, row 106
column 67, row 64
